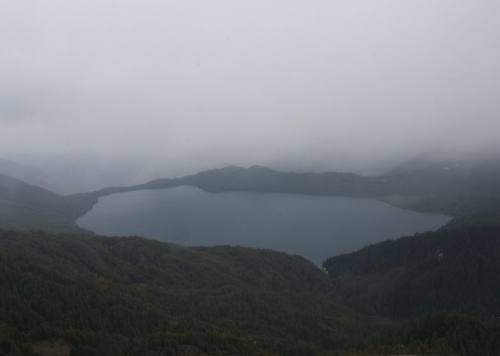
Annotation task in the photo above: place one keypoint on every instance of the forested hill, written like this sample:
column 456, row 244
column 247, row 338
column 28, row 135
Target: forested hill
column 451, row 270
column 132, row 296
column 88, row 295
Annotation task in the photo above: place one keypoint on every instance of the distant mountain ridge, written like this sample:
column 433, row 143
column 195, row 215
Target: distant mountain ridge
column 456, row 190
column 26, row 206
column 446, row 187
column 26, row 173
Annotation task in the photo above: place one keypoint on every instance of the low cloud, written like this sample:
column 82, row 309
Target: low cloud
column 185, row 85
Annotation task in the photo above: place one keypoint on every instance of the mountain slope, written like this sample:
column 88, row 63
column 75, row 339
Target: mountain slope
column 452, row 270
column 88, row 295
column 25, row 206
column 26, row 173
column 161, row 298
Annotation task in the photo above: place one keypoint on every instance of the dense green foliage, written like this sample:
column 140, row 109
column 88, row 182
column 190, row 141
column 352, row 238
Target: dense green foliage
column 129, row 294
column 454, row 270
column 132, row 296
column 439, row 334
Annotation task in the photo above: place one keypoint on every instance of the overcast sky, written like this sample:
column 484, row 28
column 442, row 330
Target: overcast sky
column 192, row 84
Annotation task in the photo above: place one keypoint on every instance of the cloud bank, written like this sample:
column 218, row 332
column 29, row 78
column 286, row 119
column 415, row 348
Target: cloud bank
column 186, row 85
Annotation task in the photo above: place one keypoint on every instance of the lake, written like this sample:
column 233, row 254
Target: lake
column 315, row 227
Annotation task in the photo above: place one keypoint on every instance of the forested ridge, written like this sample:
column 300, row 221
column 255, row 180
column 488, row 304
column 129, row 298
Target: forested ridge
column 454, row 270
column 131, row 296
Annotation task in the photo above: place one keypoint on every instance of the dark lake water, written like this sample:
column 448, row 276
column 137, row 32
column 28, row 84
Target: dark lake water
column 312, row 226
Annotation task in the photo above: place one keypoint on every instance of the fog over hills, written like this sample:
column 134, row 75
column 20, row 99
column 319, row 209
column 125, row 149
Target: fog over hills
column 275, row 105
column 148, row 89
column 25, row 173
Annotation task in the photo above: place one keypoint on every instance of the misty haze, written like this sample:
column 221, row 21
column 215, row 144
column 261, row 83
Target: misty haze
column 164, row 88
column 268, row 178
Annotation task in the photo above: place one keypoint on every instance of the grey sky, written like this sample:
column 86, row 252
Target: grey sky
column 192, row 84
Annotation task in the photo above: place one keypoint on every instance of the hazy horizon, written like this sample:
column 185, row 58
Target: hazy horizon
column 106, row 91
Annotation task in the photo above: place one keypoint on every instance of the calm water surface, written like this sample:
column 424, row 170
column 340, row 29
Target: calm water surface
column 312, row 226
